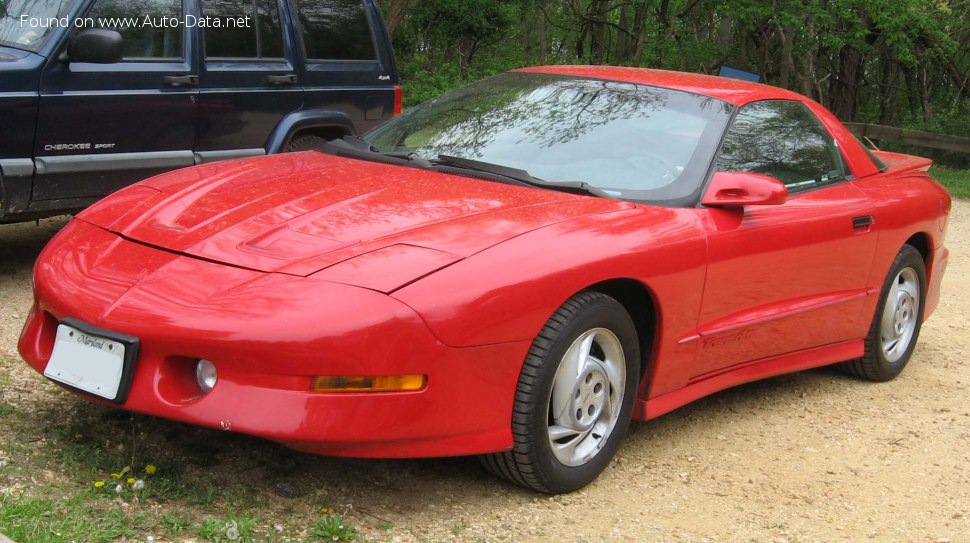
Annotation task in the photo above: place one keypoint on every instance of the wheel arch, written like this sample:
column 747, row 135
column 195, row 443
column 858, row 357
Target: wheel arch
column 325, row 123
column 921, row 241
column 640, row 302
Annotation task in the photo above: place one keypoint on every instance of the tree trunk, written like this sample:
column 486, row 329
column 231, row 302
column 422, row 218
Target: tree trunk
column 599, row 34
column 395, row 15
column 887, row 100
column 787, row 64
column 844, row 85
column 640, row 31
column 621, row 54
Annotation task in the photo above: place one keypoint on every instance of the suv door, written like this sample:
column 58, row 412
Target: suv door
column 348, row 66
column 104, row 126
column 785, row 278
column 249, row 79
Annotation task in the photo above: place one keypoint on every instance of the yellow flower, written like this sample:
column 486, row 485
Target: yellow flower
column 116, row 476
column 131, row 480
column 78, row 436
column 98, row 484
column 324, row 510
column 150, row 469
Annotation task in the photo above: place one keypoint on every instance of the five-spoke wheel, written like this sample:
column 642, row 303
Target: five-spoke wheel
column 574, row 397
column 586, row 396
column 896, row 324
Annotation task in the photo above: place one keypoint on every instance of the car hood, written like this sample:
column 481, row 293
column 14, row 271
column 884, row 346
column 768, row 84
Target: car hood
column 347, row 220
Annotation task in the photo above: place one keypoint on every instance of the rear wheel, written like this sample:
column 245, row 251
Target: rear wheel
column 574, row 397
column 897, row 322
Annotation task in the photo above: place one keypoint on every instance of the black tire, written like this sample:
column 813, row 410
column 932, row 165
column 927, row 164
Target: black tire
column 876, row 364
column 305, row 143
column 532, row 462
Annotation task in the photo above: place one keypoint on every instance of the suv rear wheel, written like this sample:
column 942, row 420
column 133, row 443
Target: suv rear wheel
column 305, row 143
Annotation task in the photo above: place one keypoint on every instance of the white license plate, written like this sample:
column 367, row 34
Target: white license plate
column 87, row 362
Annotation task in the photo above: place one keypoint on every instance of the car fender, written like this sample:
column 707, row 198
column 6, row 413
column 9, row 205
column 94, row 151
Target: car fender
column 303, row 119
column 513, row 288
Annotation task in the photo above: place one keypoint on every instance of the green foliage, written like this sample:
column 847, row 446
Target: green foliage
column 333, row 528
column 896, row 62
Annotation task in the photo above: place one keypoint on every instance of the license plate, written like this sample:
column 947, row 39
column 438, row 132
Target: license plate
column 88, row 362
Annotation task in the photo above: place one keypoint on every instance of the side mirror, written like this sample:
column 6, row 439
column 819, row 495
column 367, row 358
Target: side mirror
column 744, row 189
column 97, row 45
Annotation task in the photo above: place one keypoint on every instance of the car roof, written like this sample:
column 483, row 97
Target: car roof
column 732, row 91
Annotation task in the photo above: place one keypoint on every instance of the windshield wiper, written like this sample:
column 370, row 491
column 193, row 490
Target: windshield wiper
column 521, row 177
column 356, row 147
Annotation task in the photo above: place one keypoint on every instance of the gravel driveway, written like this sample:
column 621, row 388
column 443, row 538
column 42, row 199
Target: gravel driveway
column 814, row 456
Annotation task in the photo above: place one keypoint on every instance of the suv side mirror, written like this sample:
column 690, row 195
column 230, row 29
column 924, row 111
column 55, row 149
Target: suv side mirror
column 744, row 189
column 97, row 45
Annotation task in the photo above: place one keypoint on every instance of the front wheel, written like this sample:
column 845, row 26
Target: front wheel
column 574, row 397
column 897, row 322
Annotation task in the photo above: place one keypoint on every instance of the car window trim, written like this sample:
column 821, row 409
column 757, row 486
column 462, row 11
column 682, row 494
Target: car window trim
column 260, row 60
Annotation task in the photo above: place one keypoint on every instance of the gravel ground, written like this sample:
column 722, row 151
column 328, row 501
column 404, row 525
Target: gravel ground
column 814, row 456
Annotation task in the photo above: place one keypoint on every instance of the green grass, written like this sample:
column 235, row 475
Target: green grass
column 955, row 181
column 333, row 528
column 75, row 519
column 74, row 473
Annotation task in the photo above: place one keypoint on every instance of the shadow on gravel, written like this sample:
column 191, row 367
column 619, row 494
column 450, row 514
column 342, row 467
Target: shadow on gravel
column 21, row 243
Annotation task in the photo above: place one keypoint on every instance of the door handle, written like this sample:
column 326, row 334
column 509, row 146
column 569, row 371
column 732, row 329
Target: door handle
column 288, row 79
column 862, row 223
column 182, row 80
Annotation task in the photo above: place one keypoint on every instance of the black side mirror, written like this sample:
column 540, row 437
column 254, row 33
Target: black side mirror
column 97, row 45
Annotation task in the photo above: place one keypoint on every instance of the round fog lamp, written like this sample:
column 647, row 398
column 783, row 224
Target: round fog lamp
column 205, row 375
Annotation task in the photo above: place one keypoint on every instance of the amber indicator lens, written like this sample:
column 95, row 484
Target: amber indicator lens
column 364, row 383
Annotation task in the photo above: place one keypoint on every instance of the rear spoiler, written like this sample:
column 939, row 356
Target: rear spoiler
column 898, row 162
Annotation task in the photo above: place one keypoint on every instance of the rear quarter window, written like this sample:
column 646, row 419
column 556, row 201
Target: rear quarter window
column 336, row 30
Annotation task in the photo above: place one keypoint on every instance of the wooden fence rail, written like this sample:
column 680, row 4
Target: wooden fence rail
column 911, row 137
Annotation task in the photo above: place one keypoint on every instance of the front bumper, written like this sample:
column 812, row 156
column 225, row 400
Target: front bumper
column 269, row 335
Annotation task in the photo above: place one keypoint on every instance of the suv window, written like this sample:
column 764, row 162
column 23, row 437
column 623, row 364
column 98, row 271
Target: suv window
column 249, row 29
column 335, row 30
column 783, row 139
column 142, row 41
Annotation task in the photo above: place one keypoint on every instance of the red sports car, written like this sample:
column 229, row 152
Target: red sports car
column 515, row 269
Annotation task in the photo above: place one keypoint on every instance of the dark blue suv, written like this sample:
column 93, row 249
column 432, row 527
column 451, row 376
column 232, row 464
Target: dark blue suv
column 98, row 94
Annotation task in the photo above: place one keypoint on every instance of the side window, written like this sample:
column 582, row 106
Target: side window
column 249, row 29
column 141, row 41
column 782, row 139
column 336, row 30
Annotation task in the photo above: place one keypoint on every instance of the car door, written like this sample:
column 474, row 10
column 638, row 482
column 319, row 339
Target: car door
column 348, row 63
column 103, row 126
column 249, row 79
column 789, row 277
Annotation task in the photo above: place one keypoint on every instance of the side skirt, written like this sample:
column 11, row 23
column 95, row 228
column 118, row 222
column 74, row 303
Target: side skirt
column 705, row 385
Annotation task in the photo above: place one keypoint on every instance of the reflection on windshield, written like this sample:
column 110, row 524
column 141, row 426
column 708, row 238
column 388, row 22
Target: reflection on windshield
column 639, row 142
column 26, row 23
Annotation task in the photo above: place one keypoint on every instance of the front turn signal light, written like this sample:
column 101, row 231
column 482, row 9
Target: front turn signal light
column 363, row 383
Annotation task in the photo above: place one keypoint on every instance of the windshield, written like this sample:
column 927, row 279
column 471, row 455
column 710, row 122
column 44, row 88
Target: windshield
column 25, row 24
column 632, row 141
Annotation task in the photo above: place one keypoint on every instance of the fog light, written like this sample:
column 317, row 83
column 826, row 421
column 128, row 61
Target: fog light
column 361, row 383
column 205, row 375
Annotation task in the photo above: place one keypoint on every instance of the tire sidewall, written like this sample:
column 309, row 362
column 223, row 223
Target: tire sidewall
column 597, row 314
column 908, row 257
